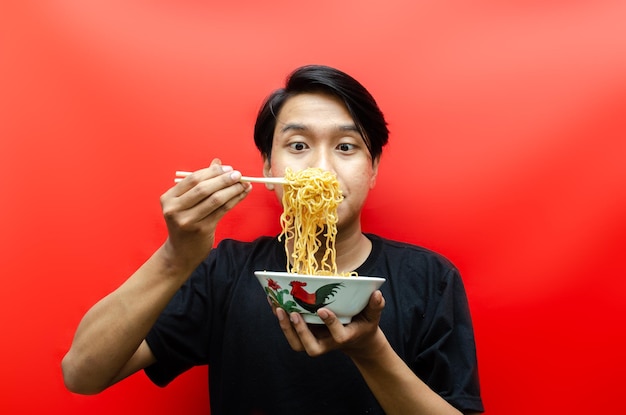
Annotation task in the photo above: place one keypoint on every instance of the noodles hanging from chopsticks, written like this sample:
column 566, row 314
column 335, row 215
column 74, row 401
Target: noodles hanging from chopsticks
column 310, row 201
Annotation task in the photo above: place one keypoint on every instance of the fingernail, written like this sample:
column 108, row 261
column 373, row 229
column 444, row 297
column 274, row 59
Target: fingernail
column 295, row 317
column 235, row 175
column 280, row 314
column 227, row 168
column 323, row 314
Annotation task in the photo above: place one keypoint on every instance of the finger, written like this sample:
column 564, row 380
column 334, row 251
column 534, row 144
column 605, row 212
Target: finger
column 339, row 333
column 374, row 307
column 208, row 190
column 216, row 161
column 345, row 336
column 219, row 203
column 190, row 182
column 311, row 344
column 224, row 187
column 288, row 330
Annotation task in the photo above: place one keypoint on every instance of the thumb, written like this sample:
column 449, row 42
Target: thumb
column 374, row 307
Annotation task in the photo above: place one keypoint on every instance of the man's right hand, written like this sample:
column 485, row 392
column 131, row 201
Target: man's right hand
column 194, row 206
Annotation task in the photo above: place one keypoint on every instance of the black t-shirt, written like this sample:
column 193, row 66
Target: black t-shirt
column 221, row 317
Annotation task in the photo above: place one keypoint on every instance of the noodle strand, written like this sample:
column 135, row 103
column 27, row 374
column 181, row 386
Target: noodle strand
column 310, row 202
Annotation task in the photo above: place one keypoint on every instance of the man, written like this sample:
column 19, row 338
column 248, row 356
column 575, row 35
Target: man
column 192, row 304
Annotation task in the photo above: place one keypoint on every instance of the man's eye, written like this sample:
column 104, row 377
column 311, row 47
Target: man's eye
column 297, row 146
column 345, row 147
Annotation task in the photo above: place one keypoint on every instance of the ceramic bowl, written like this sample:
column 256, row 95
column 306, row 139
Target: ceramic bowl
column 305, row 294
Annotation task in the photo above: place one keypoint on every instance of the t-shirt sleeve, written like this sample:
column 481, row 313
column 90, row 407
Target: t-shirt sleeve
column 447, row 360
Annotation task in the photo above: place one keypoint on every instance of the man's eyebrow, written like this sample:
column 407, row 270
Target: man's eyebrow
column 303, row 127
column 350, row 127
column 293, row 126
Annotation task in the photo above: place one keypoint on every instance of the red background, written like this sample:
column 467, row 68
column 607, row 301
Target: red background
column 507, row 155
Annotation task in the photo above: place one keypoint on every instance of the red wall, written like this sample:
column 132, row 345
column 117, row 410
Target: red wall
column 507, row 155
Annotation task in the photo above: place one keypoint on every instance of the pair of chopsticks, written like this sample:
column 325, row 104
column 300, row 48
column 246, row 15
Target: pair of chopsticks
column 180, row 175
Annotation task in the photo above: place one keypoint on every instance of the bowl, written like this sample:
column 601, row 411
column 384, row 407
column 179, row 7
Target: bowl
column 305, row 294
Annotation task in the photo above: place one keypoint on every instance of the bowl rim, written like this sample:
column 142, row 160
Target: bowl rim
column 266, row 273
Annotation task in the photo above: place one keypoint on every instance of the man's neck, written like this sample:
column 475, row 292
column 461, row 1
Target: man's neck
column 353, row 248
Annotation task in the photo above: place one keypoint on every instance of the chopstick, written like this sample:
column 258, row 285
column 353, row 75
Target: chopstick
column 180, row 175
column 275, row 180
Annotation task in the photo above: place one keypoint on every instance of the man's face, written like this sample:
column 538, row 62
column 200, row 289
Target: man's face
column 316, row 130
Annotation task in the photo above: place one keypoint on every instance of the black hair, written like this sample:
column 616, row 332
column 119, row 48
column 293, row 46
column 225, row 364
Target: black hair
column 318, row 78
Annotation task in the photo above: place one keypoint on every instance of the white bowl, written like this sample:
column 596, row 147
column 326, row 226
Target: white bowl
column 345, row 296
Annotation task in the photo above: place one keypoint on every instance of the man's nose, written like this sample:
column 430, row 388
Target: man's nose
column 324, row 160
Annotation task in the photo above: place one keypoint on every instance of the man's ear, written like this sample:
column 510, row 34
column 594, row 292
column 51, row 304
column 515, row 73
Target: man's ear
column 375, row 164
column 267, row 172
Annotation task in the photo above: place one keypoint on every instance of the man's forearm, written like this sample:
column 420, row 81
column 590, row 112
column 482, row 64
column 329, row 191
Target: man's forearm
column 396, row 387
column 112, row 330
